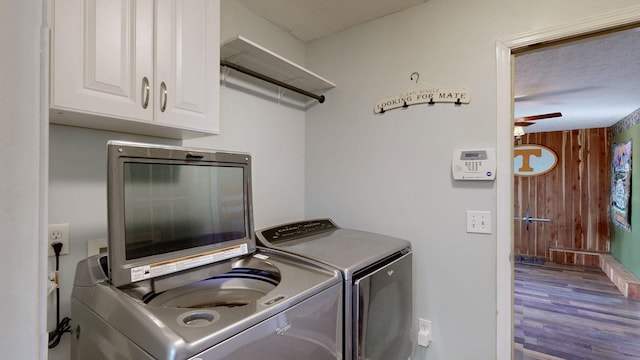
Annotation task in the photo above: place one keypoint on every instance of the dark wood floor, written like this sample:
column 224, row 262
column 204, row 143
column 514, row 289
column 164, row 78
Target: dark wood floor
column 572, row 312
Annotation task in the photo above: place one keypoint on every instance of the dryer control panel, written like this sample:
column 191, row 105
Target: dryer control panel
column 297, row 230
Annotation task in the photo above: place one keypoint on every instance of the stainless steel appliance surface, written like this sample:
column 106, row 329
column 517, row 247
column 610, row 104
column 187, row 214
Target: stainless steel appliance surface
column 377, row 275
column 271, row 305
column 184, row 277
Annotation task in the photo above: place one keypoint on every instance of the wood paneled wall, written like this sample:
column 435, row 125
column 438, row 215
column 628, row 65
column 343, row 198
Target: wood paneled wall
column 574, row 195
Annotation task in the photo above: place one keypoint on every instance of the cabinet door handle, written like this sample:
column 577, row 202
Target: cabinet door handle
column 145, row 92
column 163, row 94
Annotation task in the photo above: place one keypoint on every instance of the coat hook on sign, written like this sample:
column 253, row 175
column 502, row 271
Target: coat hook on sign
column 405, row 105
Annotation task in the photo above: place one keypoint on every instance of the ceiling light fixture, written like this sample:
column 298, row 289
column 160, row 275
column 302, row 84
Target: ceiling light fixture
column 518, row 131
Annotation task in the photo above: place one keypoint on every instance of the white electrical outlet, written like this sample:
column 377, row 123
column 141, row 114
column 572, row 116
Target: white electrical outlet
column 58, row 233
column 424, row 332
column 479, row 222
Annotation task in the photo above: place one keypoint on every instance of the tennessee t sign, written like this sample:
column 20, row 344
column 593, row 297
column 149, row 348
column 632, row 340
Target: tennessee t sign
column 533, row 160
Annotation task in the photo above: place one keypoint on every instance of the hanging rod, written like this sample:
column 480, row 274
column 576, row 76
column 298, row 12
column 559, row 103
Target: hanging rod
column 250, row 72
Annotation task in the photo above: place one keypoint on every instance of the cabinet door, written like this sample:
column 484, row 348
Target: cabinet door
column 187, row 83
column 102, row 57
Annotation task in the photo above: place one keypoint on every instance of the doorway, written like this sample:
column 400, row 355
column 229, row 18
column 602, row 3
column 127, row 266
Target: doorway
column 567, row 96
column 504, row 184
column 562, row 211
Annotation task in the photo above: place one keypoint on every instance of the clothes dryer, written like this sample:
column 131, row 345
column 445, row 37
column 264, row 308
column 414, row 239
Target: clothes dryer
column 377, row 275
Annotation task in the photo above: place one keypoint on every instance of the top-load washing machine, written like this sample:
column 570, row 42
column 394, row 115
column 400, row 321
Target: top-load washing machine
column 184, row 279
column 377, row 275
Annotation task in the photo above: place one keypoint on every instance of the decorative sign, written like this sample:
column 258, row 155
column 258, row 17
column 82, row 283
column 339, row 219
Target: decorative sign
column 421, row 94
column 533, row 160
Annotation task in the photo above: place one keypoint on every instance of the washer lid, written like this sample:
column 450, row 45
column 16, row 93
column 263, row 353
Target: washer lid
column 173, row 208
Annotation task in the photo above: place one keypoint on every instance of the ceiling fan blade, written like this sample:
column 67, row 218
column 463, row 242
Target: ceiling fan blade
column 522, row 123
column 540, row 117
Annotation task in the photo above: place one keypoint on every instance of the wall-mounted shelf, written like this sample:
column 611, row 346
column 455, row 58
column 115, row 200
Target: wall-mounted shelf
column 248, row 55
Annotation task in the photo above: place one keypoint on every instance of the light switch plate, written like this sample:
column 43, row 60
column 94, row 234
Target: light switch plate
column 479, row 222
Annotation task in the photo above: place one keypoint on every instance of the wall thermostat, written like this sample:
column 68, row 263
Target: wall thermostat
column 474, row 164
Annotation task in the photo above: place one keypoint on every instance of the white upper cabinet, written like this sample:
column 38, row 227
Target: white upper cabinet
column 187, row 63
column 136, row 66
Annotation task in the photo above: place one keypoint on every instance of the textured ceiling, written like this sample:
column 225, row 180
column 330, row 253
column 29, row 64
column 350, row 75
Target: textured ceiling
column 311, row 19
column 593, row 82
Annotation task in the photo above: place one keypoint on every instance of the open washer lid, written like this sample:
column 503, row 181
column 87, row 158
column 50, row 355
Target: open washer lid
column 172, row 209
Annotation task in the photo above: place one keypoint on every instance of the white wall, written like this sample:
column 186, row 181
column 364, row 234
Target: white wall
column 253, row 121
column 391, row 173
column 78, row 196
column 274, row 136
column 22, row 193
column 235, row 19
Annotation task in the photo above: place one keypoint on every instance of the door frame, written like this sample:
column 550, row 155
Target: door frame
column 504, row 158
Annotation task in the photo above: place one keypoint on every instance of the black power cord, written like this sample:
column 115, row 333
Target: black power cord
column 64, row 325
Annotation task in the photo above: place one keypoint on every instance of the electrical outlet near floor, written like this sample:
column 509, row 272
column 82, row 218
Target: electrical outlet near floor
column 424, row 332
column 58, row 233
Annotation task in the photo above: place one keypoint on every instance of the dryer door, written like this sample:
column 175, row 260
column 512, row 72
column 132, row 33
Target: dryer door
column 382, row 310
